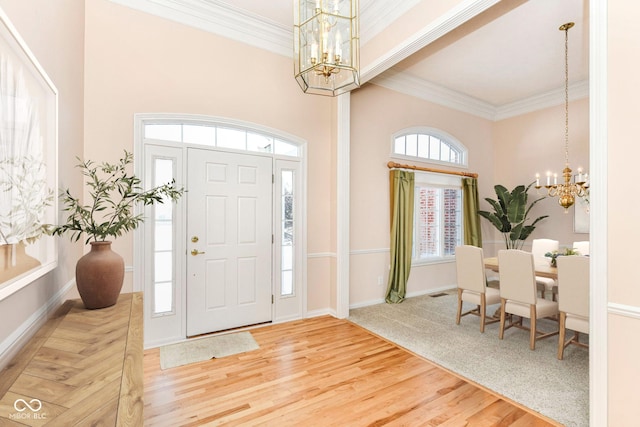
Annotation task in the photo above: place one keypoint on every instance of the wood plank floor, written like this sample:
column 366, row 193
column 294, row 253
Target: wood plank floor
column 321, row 372
column 81, row 368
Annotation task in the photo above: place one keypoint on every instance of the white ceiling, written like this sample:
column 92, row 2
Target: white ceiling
column 508, row 54
column 507, row 60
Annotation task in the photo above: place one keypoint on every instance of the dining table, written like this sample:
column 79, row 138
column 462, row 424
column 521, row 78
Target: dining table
column 542, row 269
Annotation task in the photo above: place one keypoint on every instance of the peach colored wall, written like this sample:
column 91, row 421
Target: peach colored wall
column 623, row 232
column 139, row 63
column 415, row 20
column 533, row 143
column 54, row 32
column 377, row 113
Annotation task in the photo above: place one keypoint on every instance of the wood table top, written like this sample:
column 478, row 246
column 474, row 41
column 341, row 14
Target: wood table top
column 542, row 269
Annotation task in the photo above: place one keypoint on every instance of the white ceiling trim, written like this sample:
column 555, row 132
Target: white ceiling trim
column 440, row 95
column 437, row 94
column 238, row 24
column 223, row 19
column 578, row 90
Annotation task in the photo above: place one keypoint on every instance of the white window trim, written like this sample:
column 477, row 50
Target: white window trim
column 430, row 179
column 442, row 135
column 179, row 316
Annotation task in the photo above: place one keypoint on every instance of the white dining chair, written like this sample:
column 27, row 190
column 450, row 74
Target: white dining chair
column 472, row 284
column 573, row 299
column 582, row 247
column 518, row 294
column 539, row 247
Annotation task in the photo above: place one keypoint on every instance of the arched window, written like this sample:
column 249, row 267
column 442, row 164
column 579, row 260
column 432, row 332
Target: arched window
column 429, row 145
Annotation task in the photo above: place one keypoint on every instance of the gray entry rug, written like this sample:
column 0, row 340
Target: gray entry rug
column 200, row 349
column 536, row 379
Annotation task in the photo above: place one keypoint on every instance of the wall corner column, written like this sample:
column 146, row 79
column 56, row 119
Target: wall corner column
column 342, row 214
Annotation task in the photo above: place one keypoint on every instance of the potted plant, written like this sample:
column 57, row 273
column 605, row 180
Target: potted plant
column 113, row 194
column 510, row 214
column 555, row 254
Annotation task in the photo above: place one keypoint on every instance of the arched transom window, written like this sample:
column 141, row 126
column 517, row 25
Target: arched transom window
column 429, row 145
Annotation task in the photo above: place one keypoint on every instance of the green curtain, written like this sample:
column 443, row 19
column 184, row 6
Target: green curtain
column 402, row 185
column 470, row 217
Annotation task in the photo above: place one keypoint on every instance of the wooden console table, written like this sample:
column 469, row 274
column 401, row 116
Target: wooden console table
column 83, row 367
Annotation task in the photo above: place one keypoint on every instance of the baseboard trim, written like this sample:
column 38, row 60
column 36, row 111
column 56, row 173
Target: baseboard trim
column 10, row 347
column 408, row 295
column 321, row 312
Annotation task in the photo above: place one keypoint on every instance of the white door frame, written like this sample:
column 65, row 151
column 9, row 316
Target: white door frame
column 178, row 318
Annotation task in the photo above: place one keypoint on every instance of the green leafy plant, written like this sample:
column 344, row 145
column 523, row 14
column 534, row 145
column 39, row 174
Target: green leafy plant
column 114, row 192
column 510, row 214
column 555, row 254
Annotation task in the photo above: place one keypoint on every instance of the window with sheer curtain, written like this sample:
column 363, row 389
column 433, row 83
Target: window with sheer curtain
column 437, row 218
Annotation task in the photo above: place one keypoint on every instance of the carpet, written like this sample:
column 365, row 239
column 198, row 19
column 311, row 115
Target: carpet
column 536, row 379
column 206, row 348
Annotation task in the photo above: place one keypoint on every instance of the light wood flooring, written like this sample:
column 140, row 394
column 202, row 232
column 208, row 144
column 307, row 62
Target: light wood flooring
column 321, row 372
column 83, row 367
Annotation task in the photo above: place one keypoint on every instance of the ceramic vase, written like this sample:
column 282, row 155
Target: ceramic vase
column 99, row 276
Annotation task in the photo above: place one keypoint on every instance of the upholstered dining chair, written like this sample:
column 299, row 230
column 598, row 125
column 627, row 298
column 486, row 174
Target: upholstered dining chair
column 582, row 247
column 518, row 294
column 472, row 284
column 539, row 247
column 573, row 299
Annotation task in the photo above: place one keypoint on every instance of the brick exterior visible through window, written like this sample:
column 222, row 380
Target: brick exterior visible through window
column 438, row 222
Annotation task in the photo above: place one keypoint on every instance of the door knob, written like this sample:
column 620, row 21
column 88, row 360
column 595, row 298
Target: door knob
column 195, row 239
column 195, row 252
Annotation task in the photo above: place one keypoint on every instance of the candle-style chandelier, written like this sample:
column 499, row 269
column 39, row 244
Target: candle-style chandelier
column 326, row 46
column 566, row 191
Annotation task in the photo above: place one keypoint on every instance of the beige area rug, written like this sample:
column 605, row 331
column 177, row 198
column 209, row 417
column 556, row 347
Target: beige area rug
column 200, row 349
column 425, row 325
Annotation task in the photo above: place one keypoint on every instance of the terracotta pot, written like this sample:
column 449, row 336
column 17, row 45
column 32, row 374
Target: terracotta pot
column 99, row 276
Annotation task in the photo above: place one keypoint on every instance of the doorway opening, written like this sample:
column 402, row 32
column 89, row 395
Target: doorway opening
column 231, row 252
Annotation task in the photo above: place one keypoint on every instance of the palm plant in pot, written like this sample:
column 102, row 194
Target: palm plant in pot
column 510, row 214
column 114, row 192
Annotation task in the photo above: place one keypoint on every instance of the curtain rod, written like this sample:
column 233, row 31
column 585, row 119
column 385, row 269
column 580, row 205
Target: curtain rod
column 419, row 168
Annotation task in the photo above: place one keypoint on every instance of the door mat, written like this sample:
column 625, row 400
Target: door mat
column 200, row 349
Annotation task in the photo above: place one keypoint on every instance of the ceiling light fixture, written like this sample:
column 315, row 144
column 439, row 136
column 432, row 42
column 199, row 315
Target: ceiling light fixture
column 326, row 46
column 568, row 190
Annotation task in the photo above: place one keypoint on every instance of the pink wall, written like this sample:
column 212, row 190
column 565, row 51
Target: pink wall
column 370, row 152
column 623, row 233
column 404, row 28
column 139, row 63
column 533, row 143
column 54, row 32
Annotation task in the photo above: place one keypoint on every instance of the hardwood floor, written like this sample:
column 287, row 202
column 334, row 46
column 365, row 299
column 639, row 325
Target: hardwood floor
column 321, row 372
column 82, row 367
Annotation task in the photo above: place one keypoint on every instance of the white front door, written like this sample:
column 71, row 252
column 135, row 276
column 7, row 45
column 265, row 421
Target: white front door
column 229, row 240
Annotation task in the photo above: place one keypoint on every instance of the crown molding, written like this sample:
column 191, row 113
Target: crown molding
column 223, row 19
column 440, row 95
column 437, row 94
column 578, row 90
column 238, row 24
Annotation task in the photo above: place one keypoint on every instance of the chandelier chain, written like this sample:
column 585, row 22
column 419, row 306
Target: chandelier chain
column 566, row 94
column 566, row 190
